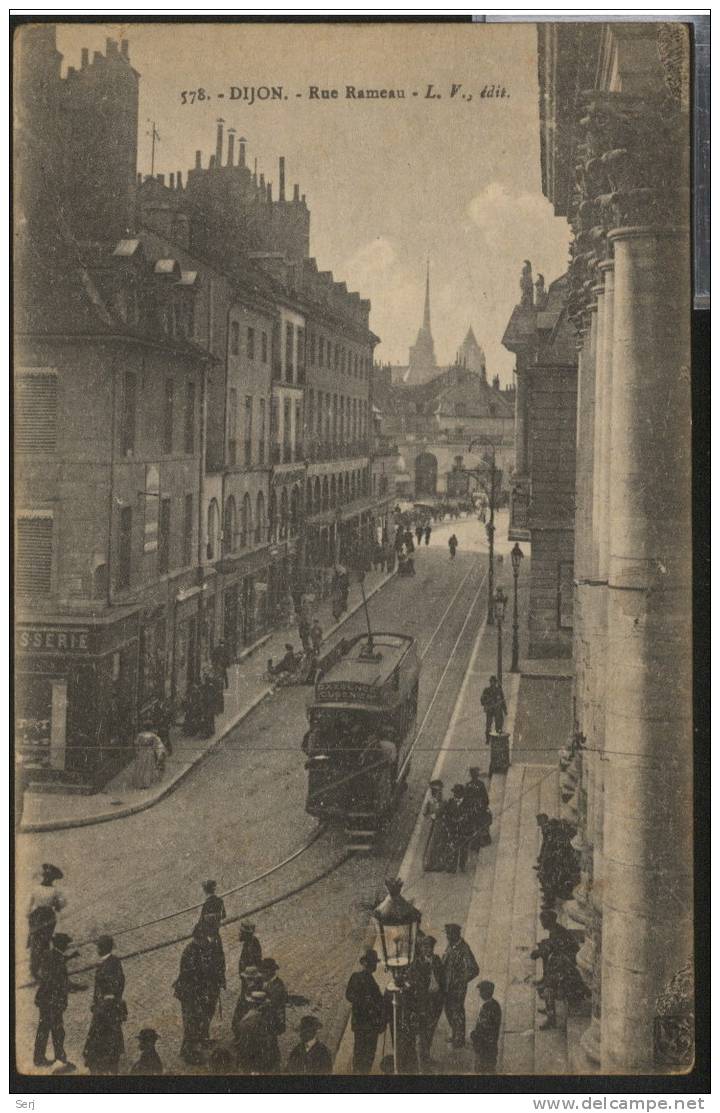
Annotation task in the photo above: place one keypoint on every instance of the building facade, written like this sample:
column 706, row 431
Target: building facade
column 615, row 161
column 542, row 495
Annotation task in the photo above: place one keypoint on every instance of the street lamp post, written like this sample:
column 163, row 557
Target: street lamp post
column 500, row 600
column 516, row 557
column 490, row 527
column 398, row 922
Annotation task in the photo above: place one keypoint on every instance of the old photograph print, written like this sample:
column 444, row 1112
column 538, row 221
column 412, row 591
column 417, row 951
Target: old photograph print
column 352, row 655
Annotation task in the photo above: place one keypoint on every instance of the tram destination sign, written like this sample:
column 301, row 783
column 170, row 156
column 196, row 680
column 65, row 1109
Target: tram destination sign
column 348, row 691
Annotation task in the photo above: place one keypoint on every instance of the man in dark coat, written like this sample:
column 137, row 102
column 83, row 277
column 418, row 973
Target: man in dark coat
column 368, row 1012
column 51, row 999
column 459, row 969
column 477, row 807
column 493, row 702
column 486, row 1033
column 418, row 534
column 309, row 1055
column 452, row 546
column 251, row 981
column 426, row 976
column 256, row 1047
column 250, row 951
column 221, row 661
column 149, row 1061
column 277, row 995
column 454, row 817
column 104, row 1044
column 428, row 532
column 213, row 911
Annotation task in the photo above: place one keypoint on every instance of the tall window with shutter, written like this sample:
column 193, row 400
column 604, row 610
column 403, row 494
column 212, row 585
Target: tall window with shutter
column 36, row 401
column 33, row 553
column 248, row 429
column 129, row 414
column 289, row 352
column 164, row 537
column 124, row 550
column 188, row 530
column 261, row 432
column 168, row 417
column 190, row 418
column 232, row 427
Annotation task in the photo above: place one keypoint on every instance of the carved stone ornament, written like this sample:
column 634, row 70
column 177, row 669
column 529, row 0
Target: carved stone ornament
column 674, row 1028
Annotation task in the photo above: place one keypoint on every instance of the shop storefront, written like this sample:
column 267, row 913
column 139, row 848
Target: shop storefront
column 246, row 615
column 75, row 698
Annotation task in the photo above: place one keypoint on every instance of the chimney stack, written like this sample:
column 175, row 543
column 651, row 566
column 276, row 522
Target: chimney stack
column 84, row 57
column 281, row 194
column 269, row 192
column 172, row 181
column 161, row 179
column 219, row 144
column 241, row 156
column 139, row 179
column 198, row 160
column 303, row 198
column 125, row 48
column 111, row 47
column 296, row 192
column 178, row 179
column 262, row 180
column 255, row 177
column 231, row 146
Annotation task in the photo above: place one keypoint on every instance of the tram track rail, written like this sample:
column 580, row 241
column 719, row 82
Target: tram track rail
column 342, row 858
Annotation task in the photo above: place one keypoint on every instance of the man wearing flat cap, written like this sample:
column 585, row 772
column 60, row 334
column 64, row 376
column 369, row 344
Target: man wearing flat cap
column 149, row 1061
column 309, row 1056
column 51, row 999
column 486, row 1033
column 368, row 1012
column 459, row 969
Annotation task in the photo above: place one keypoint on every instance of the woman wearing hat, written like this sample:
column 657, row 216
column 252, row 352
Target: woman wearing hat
column 309, row 1055
column 104, row 1044
column 44, row 904
column 149, row 755
column 437, row 847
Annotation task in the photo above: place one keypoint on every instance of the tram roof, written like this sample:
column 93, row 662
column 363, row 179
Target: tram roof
column 389, row 650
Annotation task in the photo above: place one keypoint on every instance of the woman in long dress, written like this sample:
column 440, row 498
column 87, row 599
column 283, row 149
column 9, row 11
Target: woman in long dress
column 145, row 767
column 437, row 847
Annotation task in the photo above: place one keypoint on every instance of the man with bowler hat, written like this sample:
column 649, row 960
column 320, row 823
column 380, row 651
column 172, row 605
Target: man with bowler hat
column 149, row 1061
column 368, row 1012
column 51, row 999
column 309, row 1056
column 274, row 987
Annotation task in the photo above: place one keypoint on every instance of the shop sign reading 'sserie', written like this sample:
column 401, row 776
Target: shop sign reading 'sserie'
column 53, row 639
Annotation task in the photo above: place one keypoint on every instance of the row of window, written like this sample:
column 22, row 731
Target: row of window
column 322, row 352
column 129, row 423
column 333, row 417
column 253, row 348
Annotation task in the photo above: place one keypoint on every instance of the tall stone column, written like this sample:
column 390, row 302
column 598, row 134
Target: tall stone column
column 647, row 853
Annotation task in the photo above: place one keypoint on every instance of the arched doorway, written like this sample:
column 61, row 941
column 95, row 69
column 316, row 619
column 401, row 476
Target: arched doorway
column 426, row 469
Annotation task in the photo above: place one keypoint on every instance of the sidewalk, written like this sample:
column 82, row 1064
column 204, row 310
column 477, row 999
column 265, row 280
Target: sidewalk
column 248, row 687
column 497, row 899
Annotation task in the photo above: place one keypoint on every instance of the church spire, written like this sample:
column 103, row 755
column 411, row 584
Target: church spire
column 426, row 313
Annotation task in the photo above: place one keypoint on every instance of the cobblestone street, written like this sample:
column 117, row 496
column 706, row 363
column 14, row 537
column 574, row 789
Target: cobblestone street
column 243, row 812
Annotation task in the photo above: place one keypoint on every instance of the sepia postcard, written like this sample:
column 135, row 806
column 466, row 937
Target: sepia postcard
column 353, row 573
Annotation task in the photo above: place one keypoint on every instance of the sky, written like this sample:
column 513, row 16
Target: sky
column 389, row 182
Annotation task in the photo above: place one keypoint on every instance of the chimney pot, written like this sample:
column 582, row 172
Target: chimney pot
column 178, row 179
column 172, row 181
column 231, row 146
column 281, row 193
column 84, row 57
column 198, row 160
column 219, row 144
column 241, row 155
column 296, row 192
column 125, row 48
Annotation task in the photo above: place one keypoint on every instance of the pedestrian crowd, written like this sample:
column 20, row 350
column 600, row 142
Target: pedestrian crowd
column 457, row 825
column 258, row 1020
column 558, row 870
column 431, row 984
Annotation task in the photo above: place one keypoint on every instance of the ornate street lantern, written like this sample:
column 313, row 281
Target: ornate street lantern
column 516, row 556
column 398, row 921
